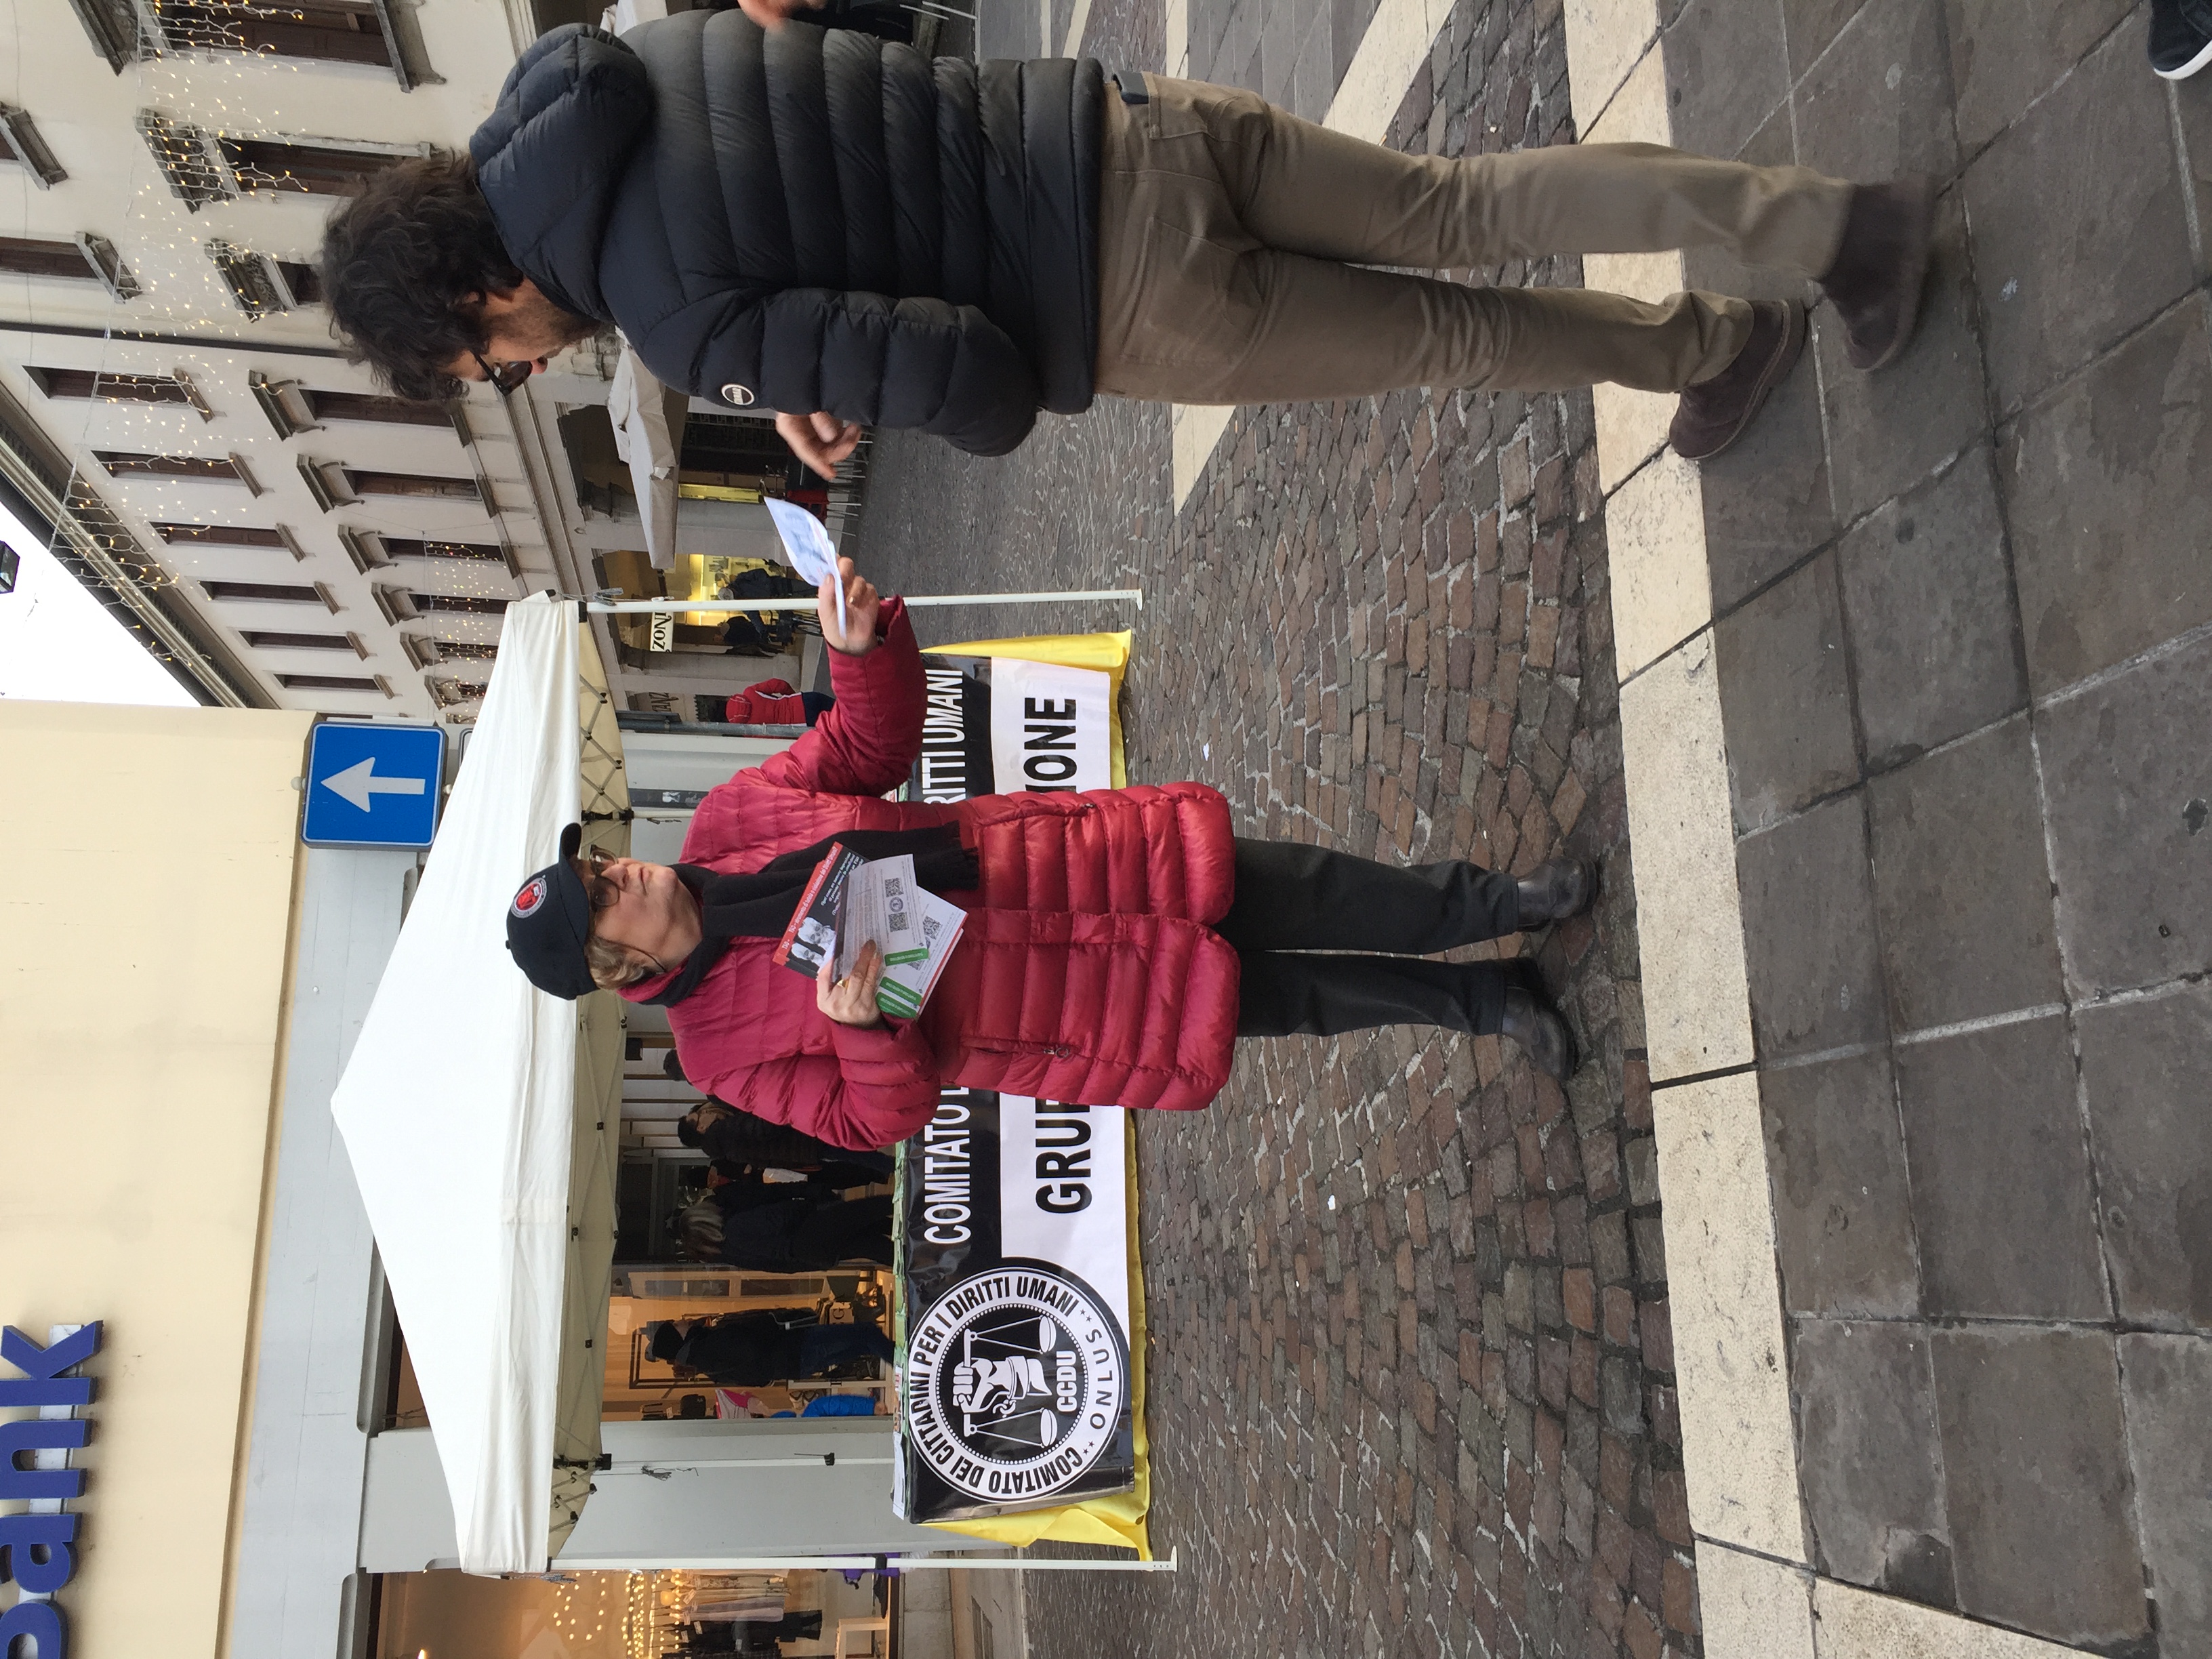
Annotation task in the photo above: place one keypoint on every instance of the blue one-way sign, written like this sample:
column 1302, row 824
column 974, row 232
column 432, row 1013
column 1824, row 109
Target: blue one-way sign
column 373, row 785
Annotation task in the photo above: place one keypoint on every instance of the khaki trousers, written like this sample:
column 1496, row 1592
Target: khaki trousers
column 1233, row 239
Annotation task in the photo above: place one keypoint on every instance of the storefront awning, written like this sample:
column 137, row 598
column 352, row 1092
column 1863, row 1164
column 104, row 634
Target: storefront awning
column 483, row 1118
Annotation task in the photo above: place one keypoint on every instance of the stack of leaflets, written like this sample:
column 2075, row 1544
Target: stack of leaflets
column 850, row 900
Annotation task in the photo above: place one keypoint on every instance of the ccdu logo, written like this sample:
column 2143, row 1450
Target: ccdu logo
column 37, row 1552
column 1017, row 1378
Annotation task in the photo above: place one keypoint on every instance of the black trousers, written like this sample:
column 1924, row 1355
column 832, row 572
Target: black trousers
column 845, row 1228
column 1293, row 899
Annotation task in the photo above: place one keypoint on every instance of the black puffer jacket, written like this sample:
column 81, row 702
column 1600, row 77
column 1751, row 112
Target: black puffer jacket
column 813, row 219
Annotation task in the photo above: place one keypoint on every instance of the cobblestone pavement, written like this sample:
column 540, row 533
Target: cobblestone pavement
column 1411, row 1377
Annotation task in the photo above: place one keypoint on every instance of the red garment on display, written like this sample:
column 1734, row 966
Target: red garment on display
column 766, row 702
column 1088, row 971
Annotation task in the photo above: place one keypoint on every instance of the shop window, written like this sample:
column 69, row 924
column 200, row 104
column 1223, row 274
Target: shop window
column 466, row 651
column 333, row 683
column 227, row 535
column 332, row 31
column 375, row 33
column 735, row 451
column 425, row 651
column 371, row 550
column 262, row 639
column 368, row 406
column 213, row 469
column 21, row 142
column 292, row 408
column 99, row 387
column 403, row 604
column 452, row 693
column 266, row 164
column 411, row 485
column 401, row 548
column 120, row 32
column 114, row 388
column 191, row 159
column 271, row 592
column 203, row 166
column 261, row 285
column 303, row 282
column 81, row 258
column 334, row 484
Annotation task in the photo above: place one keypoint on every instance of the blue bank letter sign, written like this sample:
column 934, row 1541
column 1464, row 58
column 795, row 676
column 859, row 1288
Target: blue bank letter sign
column 38, row 1550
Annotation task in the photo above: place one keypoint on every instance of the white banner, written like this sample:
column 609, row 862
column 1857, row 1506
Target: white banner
column 1063, row 1191
column 1051, row 727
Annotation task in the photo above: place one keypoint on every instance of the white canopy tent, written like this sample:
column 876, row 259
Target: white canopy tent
column 483, row 1116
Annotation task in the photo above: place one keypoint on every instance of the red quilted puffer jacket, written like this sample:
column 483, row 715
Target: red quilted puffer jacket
column 1087, row 971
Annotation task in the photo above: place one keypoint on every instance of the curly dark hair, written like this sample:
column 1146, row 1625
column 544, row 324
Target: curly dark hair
column 399, row 257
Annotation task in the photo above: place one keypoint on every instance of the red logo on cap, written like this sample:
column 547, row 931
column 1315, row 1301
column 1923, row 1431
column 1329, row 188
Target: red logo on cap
column 531, row 896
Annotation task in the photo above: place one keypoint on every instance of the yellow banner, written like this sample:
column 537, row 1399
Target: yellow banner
column 1117, row 1521
column 1107, row 652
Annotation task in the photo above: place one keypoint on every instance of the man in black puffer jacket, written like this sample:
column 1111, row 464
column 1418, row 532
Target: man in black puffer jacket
column 836, row 227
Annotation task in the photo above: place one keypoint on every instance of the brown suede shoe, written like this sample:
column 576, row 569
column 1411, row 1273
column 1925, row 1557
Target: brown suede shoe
column 1880, row 268
column 1713, row 414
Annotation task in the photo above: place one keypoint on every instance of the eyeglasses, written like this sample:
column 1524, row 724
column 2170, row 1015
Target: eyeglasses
column 504, row 377
column 603, row 894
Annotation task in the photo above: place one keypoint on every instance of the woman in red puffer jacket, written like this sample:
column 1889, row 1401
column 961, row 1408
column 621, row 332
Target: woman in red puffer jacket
column 1117, row 941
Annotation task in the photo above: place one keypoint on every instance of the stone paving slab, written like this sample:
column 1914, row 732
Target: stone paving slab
column 1959, row 617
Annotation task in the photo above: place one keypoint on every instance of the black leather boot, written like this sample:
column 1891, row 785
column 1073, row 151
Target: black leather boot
column 1555, row 889
column 1881, row 269
column 1542, row 1031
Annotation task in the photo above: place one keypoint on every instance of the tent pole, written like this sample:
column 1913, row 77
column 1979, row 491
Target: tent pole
column 865, row 1564
column 646, row 607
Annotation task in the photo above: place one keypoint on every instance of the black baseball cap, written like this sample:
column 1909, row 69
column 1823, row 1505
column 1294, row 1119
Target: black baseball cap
column 548, row 923
column 667, row 1341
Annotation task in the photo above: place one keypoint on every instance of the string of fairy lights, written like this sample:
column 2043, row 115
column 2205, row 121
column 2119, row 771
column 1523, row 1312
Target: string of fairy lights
column 646, row 1611
column 202, row 184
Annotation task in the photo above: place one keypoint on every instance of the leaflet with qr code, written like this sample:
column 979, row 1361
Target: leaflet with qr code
column 913, row 927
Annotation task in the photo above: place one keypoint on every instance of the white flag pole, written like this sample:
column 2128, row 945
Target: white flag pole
column 647, row 607
column 958, row 1562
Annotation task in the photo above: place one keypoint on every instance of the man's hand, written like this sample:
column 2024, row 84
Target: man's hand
column 820, row 440
column 861, row 604
column 852, row 1000
column 770, row 13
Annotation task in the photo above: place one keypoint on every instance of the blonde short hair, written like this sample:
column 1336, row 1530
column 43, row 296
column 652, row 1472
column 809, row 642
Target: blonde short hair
column 612, row 965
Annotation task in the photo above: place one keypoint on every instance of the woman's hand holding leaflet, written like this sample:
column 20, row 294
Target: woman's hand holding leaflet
column 852, row 1000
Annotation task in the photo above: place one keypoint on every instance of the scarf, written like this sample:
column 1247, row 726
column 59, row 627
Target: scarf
column 760, row 905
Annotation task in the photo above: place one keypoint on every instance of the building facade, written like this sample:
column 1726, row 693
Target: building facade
column 176, row 417
column 239, row 1458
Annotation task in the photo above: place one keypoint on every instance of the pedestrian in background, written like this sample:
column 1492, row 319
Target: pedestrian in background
column 737, row 1139
column 784, row 1227
column 837, row 228
column 762, row 1345
column 776, row 703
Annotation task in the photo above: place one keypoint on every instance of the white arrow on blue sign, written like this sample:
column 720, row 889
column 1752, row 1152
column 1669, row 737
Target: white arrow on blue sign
column 373, row 785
